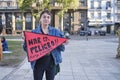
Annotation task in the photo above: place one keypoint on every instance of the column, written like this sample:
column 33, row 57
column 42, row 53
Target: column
column 57, row 24
column 13, row 23
column 33, row 22
column 23, row 21
column 3, row 24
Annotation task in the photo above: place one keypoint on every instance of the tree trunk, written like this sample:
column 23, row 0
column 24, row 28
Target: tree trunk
column 118, row 49
column 1, row 50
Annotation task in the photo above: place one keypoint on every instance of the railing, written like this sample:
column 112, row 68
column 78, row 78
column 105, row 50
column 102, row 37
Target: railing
column 11, row 7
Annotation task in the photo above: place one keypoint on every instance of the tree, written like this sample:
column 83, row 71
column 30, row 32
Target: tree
column 37, row 5
column 65, row 6
column 33, row 5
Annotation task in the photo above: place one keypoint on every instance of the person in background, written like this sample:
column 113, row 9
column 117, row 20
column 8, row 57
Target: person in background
column 50, row 62
column 4, row 44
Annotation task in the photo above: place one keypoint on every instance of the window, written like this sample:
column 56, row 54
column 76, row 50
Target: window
column 108, row 5
column 108, row 15
column 18, row 21
column 99, row 4
column 28, row 21
column 8, row 4
column 0, row 4
column 92, row 4
column 92, row 16
column 28, row 17
column 82, row 14
column 82, row 3
column 99, row 15
column 118, row 17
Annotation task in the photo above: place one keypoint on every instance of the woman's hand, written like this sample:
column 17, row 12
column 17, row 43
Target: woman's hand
column 66, row 42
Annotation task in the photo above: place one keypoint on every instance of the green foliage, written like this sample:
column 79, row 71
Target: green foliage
column 67, row 4
column 33, row 5
column 19, row 21
column 24, row 4
column 48, row 4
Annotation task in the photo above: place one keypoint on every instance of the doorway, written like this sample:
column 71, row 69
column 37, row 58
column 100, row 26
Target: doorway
column 8, row 23
column 108, row 29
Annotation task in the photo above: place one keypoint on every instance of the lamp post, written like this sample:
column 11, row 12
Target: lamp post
column 86, row 29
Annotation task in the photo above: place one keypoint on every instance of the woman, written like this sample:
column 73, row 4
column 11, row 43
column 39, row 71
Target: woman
column 4, row 44
column 50, row 62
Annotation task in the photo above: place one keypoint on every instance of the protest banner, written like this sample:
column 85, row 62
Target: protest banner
column 38, row 45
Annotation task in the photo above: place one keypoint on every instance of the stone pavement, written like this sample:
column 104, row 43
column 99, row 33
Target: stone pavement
column 5, row 71
column 82, row 60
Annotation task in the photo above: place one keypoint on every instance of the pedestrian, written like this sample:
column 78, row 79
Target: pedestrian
column 50, row 62
column 4, row 44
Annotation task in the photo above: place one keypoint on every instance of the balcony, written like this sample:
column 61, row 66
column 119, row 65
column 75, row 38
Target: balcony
column 118, row 3
column 10, row 7
column 58, row 6
column 7, row 0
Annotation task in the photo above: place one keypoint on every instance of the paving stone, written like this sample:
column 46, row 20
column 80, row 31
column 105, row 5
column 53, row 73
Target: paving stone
column 82, row 60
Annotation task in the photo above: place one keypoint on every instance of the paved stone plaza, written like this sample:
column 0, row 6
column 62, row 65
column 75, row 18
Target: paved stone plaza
column 82, row 60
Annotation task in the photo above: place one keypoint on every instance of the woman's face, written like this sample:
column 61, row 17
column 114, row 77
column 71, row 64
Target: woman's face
column 45, row 19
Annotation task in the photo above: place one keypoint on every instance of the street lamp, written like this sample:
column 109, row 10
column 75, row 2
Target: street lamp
column 86, row 29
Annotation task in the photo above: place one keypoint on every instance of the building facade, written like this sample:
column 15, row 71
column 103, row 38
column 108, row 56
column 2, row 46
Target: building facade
column 13, row 21
column 117, row 12
column 74, row 20
column 101, row 14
